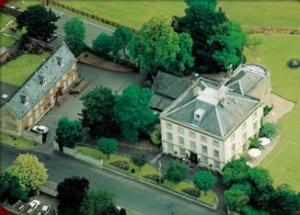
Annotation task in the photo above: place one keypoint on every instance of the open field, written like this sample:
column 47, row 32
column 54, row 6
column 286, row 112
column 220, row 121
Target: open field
column 251, row 14
column 18, row 70
column 274, row 52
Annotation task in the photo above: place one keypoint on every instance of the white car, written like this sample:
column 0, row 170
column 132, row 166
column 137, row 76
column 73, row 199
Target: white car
column 40, row 129
column 45, row 210
column 33, row 205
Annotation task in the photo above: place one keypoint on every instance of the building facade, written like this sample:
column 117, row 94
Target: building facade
column 40, row 92
column 210, row 124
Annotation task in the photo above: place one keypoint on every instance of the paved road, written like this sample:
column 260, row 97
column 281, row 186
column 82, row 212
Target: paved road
column 91, row 30
column 138, row 197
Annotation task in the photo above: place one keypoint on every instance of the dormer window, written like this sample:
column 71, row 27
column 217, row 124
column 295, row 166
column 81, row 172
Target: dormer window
column 198, row 114
column 42, row 80
column 59, row 61
column 24, row 99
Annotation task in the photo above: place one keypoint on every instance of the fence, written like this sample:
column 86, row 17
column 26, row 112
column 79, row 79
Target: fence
column 89, row 15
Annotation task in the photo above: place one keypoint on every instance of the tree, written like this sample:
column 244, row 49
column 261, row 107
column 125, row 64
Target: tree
column 260, row 178
column 121, row 39
column 38, row 21
column 71, row 193
column 158, row 46
column 155, row 137
column 248, row 210
column 283, row 201
column 75, row 34
column 236, row 171
column 204, row 180
column 68, row 133
column 268, row 130
column 133, row 113
column 176, row 172
column 102, row 45
column 139, row 159
column 235, row 199
column 29, row 170
column 107, row 145
column 10, row 185
column 97, row 113
column 221, row 42
column 98, row 202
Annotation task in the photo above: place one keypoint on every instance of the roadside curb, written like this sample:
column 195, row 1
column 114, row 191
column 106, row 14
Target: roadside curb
column 145, row 182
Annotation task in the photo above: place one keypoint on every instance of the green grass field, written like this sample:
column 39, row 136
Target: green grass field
column 5, row 41
column 16, row 141
column 251, row 14
column 274, row 52
column 18, row 70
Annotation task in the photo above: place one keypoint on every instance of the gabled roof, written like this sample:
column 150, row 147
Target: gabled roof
column 222, row 109
column 166, row 88
column 42, row 80
column 246, row 78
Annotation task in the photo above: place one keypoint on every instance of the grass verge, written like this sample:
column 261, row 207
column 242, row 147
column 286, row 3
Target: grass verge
column 16, row 141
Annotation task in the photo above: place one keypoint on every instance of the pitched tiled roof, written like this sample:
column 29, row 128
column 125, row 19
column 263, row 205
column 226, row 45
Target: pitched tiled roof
column 222, row 110
column 42, row 80
column 166, row 88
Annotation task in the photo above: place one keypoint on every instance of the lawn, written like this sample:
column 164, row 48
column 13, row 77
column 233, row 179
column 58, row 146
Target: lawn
column 5, row 40
column 18, row 70
column 251, row 14
column 16, row 141
column 274, row 53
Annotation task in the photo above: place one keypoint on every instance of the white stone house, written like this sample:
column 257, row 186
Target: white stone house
column 210, row 123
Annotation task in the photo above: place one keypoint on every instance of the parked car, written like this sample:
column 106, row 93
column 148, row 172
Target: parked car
column 40, row 129
column 33, row 205
column 45, row 210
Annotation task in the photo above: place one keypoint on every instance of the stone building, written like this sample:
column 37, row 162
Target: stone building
column 210, row 122
column 40, row 92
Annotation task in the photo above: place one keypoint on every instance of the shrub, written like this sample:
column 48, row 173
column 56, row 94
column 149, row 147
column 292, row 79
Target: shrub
column 139, row 159
column 267, row 110
column 176, row 172
column 192, row 191
column 102, row 45
column 254, row 143
column 268, row 130
column 121, row 164
column 155, row 137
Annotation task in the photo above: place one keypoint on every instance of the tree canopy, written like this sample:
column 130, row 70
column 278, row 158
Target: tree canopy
column 158, row 46
column 68, row 133
column 121, row 39
column 75, row 34
column 176, row 172
column 139, row 159
column 29, row 170
column 97, row 113
column 235, row 199
column 38, row 21
column 71, row 193
column 133, row 113
column 217, row 42
column 204, row 180
column 107, row 145
column 97, row 202
column 103, row 44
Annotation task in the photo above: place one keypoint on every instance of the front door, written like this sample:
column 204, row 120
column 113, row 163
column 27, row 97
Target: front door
column 194, row 158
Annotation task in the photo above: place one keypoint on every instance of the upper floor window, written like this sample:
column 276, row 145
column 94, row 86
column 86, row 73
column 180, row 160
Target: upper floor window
column 204, row 139
column 232, row 137
column 204, row 149
column 169, row 126
column 216, row 143
column 255, row 126
column 181, row 140
column 216, row 153
column 192, row 134
column 169, row 136
column 193, row 146
column 244, row 126
column 254, row 115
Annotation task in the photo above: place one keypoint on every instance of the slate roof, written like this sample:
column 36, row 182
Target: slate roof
column 166, row 88
column 49, row 72
column 220, row 116
column 246, row 78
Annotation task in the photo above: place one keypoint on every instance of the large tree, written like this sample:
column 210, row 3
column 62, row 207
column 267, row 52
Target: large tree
column 235, row 199
column 121, row 39
column 29, row 170
column 68, row 133
column 103, row 44
column 98, row 202
column 98, row 112
column 71, row 193
column 139, row 159
column 75, row 34
column 176, row 172
column 38, row 21
column 107, row 145
column 218, row 43
column 204, row 180
column 133, row 113
column 158, row 46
